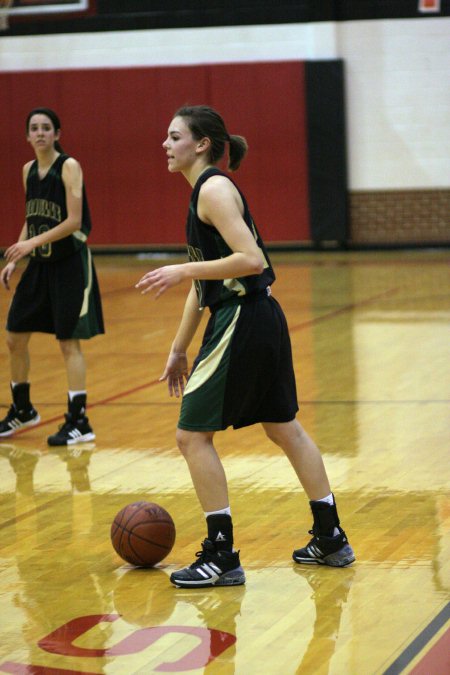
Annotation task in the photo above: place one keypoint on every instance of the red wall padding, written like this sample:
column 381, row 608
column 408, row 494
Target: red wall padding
column 115, row 120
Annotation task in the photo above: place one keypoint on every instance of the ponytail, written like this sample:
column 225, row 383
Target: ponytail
column 238, row 150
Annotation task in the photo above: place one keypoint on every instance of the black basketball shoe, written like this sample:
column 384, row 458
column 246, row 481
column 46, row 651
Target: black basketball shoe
column 212, row 568
column 321, row 550
column 18, row 419
column 72, row 431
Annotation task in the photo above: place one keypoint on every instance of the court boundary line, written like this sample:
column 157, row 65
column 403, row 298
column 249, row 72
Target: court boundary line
column 419, row 643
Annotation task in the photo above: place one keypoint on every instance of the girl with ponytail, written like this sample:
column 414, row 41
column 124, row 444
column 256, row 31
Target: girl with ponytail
column 243, row 373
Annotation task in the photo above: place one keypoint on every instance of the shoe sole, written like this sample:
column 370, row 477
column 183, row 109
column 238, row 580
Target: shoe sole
column 23, row 425
column 341, row 558
column 233, row 578
column 71, row 441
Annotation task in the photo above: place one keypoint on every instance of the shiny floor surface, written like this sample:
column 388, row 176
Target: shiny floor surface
column 371, row 342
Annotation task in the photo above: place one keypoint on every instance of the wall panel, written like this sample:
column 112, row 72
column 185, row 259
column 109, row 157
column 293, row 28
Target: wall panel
column 114, row 121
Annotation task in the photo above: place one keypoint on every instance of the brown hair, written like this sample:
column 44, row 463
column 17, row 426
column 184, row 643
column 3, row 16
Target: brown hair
column 204, row 121
column 53, row 117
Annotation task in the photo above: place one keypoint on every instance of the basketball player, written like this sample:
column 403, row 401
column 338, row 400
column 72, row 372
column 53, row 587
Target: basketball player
column 58, row 292
column 243, row 373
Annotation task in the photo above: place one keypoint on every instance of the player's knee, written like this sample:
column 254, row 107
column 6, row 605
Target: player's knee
column 69, row 348
column 183, row 441
column 16, row 342
column 191, row 442
column 282, row 434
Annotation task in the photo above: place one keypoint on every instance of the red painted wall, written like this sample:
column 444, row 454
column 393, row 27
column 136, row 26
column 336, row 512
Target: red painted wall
column 115, row 120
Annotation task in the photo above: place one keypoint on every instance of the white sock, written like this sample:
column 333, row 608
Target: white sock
column 72, row 394
column 328, row 499
column 226, row 511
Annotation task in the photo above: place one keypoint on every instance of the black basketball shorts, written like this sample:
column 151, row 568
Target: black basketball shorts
column 60, row 297
column 243, row 373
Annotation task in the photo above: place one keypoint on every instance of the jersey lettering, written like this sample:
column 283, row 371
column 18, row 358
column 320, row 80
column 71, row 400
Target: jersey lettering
column 46, row 249
column 42, row 207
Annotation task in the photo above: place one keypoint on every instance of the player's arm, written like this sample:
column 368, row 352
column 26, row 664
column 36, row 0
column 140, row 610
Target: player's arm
column 176, row 370
column 219, row 205
column 189, row 323
column 7, row 272
column 72, row 177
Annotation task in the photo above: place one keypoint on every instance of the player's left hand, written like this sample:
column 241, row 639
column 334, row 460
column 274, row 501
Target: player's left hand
column 18, row 250
column 175, row 373
column 161, row 279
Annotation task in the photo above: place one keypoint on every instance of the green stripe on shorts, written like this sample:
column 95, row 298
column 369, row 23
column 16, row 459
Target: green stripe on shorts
column 87, row 324
column 202, row 405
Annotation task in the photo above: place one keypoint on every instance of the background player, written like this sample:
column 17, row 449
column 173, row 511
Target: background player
column 58, row 292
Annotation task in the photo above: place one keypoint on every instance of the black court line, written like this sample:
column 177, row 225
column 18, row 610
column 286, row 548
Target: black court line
column 421, row 641
column 305, row 324
column 170, row 404
column 343, row 310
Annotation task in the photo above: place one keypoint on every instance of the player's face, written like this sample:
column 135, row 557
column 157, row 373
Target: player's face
column 41, row 133
column 179, row 145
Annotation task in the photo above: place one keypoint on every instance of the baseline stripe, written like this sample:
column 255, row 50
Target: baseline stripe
column 420, row 642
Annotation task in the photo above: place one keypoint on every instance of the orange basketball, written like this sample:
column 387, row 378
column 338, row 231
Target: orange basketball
column 143, row 533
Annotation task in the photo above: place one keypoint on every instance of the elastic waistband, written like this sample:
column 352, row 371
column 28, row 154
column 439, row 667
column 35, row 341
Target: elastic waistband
column 254, row 296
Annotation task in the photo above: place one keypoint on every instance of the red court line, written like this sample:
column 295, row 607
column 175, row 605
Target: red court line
column 104, row 401
column 300, row 326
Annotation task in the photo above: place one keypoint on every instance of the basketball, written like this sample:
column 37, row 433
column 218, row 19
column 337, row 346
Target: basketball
column 143, row 533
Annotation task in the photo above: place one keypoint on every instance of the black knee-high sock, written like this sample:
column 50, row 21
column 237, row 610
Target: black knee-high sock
column 21, row 395
column 77, row 406
column 325, row 518
column 220, row 531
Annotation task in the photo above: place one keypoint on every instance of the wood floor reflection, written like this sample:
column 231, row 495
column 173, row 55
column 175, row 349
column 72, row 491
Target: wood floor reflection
column 371, row 347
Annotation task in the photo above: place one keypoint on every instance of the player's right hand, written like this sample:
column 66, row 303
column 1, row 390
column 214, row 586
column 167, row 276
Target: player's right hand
column 6, row 274
column 175, row 373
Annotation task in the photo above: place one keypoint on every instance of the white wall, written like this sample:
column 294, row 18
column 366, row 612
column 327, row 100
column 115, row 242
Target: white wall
column 398, row 110
column 397, row 80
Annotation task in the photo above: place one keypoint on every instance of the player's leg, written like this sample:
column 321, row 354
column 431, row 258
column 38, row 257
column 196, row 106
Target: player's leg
column 303, row 454
column 329, row 545
column 19, row 355
column 205, row 467
column 21, row 413
column 218, row 564
column 75, row 364
column 76, row 428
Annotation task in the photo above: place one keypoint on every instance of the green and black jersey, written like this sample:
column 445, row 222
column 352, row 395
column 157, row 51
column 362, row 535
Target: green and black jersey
column 243, row 373
column 206, row 243
column 58, row 291
column 46, row 208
